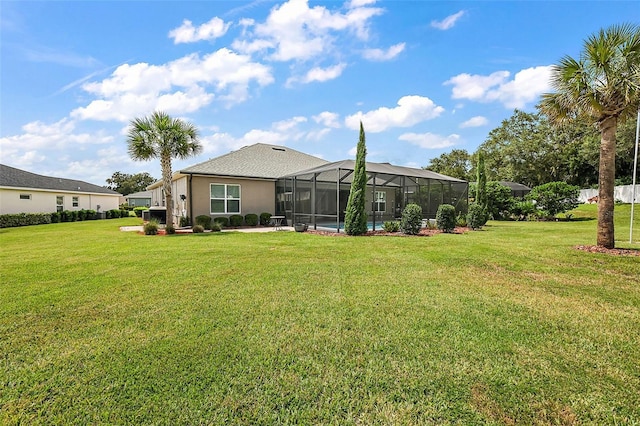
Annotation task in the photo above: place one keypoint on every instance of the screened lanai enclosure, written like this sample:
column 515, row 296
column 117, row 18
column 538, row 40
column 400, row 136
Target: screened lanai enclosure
column 318, row 197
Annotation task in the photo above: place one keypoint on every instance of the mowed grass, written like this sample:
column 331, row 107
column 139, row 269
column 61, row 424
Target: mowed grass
column 508, row 325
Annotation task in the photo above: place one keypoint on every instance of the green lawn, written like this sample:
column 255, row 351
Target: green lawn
column 508, row 325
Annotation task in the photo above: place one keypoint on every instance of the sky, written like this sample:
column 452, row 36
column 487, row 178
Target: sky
column 424, row 77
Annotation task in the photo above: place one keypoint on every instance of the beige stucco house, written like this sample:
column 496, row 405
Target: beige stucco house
column 302, row 188
column 240, row 182
column 25, row 192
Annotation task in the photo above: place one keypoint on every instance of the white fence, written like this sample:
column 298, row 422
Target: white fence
column 623, row 193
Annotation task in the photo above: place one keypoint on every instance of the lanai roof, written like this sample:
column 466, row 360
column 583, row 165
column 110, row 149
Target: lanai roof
column 257, row 161
column 16, row 178
column 378, row 168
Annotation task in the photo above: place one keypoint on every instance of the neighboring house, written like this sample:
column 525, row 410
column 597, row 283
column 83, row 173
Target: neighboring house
column 25, row 192
column 280, row 180
column 139, row 199
column 517, row 189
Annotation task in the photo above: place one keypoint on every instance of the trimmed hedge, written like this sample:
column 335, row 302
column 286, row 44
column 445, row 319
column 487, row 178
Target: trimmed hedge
column 204, row 220
column 251, row 219
column 236, row 220
column 411, row 221
column 446, row 218
column 265, row 219
column 222, row 221
column 24, row 219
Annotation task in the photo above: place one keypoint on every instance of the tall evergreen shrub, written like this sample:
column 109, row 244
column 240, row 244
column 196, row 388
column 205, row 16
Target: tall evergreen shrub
column 481, row 188
column 355, row 220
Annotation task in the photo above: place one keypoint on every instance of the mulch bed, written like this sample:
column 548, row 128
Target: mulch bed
column 424, row 232
column 613, row 251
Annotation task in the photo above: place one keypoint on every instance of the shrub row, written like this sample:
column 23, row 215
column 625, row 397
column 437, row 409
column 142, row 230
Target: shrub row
column 217, row 223
column 26, row 219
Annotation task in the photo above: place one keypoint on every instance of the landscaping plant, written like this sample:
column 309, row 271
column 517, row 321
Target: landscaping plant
column 411, row 221
column 446, row 218
column 355, row 220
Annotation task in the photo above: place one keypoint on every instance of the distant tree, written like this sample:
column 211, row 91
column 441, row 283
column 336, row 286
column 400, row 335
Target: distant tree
column 555, row 197
column 602, row 86
column 126, row 184
column 355, row 220
column 456, row 163
column 161, row 136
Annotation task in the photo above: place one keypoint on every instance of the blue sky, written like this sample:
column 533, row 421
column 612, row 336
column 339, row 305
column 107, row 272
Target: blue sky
column 425, row 77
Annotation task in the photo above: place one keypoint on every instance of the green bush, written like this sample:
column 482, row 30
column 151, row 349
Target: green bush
column 461, row 220
column 24, row 219
column 222, row 221
column 236, row 220
column 391, row 226
column 125, row 213
column 170, row 229
column 216, row 227
column 55, row 217
column 446, row 218
column 151, row 227
column 265, row 219
column 107, row 214
column 251, row 219
column 523, row 210
column 555, row 197
column 476, row 217
column 69, row 216
column 411, row 221
column 82, row 214
column 138, row 210
column 115, row 213
column 204, row 220
column 91, row 214
column 197, row 229
column 184, row 221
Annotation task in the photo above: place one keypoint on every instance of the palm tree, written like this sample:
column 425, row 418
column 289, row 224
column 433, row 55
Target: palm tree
column 603, row 86
column 163, row 137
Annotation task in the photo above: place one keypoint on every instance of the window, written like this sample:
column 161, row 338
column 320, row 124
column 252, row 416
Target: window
column 75, row 201
column 59, row 203
column 25, row 196
column 380, row 203
column 225, row 198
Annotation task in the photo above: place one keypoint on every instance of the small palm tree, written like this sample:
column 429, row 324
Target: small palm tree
column 161, row 136
column 603, row 86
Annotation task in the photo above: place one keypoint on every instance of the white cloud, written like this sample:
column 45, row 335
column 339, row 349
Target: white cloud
column 359, row 3
column 187, row 33
column 476, row 121
column 328, row 119
column 319, row 74
column 410, row 110
column 317, row 135
column 384, row 55
column 430, row 140
column 525, row 87
column 180, row 86
column 353, row 151
column 295, row 31
column 448, row 22
column 284, row 125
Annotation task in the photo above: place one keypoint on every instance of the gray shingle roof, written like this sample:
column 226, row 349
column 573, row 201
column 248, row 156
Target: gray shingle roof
column 257, row 161
column 16, row 178
column 384, row 168
column 141, row 194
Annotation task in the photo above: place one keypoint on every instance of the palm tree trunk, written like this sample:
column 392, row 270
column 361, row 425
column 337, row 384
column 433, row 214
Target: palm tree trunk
column 165, row 163
column 606, row 182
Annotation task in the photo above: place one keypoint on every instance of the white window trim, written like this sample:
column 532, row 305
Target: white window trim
column 225, row 199
column 75, row 201
column 380, row 200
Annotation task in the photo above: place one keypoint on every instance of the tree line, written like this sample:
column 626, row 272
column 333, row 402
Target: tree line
column 527, row 149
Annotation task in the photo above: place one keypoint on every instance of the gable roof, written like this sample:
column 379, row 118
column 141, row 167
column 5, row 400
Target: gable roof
column 257, row 161
column 141, row 194
column 16, row 178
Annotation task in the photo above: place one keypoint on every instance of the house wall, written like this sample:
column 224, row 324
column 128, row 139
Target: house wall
column 45, row 201
column 256, row 196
